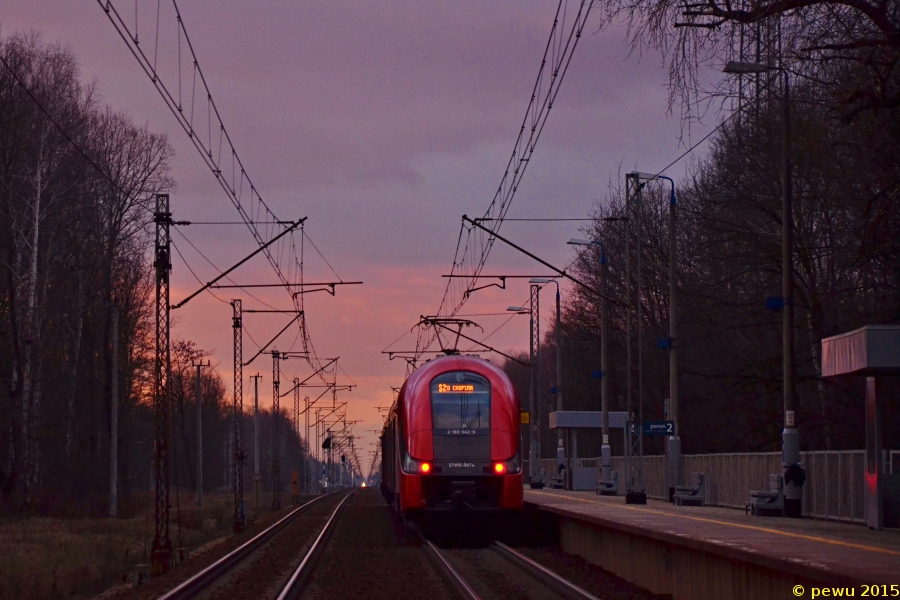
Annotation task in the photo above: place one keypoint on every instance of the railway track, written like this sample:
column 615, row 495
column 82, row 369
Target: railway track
column 498, row 571
column 295, row 584
column 205, row 580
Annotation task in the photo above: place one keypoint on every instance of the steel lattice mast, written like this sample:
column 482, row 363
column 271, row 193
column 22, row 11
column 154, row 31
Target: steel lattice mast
column 276, row 462
column 161, row 552
column 237, row 414
column 300, row 466
column 535, row 399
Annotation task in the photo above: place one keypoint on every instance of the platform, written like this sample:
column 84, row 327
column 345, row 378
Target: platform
column 694, row 550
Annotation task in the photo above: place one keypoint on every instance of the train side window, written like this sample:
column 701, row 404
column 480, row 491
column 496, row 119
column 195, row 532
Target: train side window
column 460, row 402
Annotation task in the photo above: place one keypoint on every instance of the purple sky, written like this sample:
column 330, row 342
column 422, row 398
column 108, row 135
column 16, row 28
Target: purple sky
column 383, row 123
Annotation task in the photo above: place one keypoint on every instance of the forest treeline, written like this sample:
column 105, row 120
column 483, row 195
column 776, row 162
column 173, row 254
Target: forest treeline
column 75, row 243
column 846, row 255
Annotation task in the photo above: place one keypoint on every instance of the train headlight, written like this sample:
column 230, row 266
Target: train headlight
column 499, row 468
column 424, row 468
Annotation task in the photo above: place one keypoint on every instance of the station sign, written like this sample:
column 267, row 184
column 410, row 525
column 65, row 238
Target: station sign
column 652, row 428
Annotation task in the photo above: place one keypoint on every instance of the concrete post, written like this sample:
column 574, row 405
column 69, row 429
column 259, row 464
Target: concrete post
column 793, row 494
column 874, row 464
column 559, row 400
column 605, row 451
column 674, row 442
column 257, row 478
column 114, row 418
column 199, row 439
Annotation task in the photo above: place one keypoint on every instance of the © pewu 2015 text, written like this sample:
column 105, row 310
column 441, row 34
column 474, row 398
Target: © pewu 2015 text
column 863, row 591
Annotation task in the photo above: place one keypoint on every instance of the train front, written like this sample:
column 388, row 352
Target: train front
column 461, row 417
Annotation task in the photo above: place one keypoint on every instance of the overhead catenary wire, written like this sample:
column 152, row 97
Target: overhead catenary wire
column 213, row 265
column 178, row 252
column 477, row 245
column 229, row 171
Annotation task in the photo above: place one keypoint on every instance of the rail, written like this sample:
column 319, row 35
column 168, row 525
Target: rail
column 548, row 578
column 449, row 572
column 294, row 587
column 200, row 581
column 560, row 585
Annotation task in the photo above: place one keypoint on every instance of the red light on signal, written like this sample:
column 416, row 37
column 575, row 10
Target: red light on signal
column 499, row 468
column 425, row 468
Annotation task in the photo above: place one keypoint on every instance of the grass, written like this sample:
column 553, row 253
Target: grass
column 46, row 557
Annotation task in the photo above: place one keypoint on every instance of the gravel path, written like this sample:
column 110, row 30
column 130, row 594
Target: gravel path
column 372, row 556
column 264, row 573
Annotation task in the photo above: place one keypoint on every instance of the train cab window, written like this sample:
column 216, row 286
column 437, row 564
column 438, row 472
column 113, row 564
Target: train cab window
column 460, row 402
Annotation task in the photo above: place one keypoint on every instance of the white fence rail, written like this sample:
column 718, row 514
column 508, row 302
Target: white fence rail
column 833, row 489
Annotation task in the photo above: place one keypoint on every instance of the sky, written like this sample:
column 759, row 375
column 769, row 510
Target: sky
column 383, row 123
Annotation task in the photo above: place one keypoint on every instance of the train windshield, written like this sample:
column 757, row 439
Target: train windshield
column 460, row 402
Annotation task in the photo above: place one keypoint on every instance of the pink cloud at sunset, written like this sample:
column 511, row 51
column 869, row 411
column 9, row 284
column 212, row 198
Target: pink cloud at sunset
column 383, row 122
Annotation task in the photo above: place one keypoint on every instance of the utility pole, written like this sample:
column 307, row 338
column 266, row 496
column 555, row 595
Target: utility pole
column 161, row 549
column 257, row 479
column 673, row 442
column 674, row 450
column 199, row 366
column 605, row 450
column 793, row 493
column 114, row 417
column 636, row 491
column 240, row 517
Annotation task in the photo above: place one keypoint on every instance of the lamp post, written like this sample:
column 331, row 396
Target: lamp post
column 559, row 402
column 673, row 473
column 790, row 436
column 605, row 451
column 534, row 448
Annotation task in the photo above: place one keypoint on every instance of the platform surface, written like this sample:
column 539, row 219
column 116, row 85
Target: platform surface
column 846, row 553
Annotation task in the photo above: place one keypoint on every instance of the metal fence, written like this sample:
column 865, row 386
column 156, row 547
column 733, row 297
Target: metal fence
column 833, row 489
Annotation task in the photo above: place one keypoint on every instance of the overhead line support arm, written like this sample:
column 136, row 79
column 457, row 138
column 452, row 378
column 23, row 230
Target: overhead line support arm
column 266, row 345
column 251, row 255
column 561, row 272
column 428, row 321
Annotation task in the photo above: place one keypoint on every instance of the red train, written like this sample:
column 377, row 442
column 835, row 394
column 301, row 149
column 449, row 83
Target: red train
column 451, row 441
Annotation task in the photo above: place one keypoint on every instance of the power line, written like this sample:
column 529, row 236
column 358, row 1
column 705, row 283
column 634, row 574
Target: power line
column 507, row 219
column 213, row 265
column 226, row 166
column 184, row 260
column 316, row 248
column 705, row 137
column 554, row 65
column 184, row 223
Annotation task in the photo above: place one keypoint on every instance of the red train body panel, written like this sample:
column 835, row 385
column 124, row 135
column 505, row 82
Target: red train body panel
column 451, row 441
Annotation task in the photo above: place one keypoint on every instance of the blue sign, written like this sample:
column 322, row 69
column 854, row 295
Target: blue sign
column 659, row 428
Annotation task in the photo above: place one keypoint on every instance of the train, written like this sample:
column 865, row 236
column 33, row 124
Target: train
column 451, row 441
